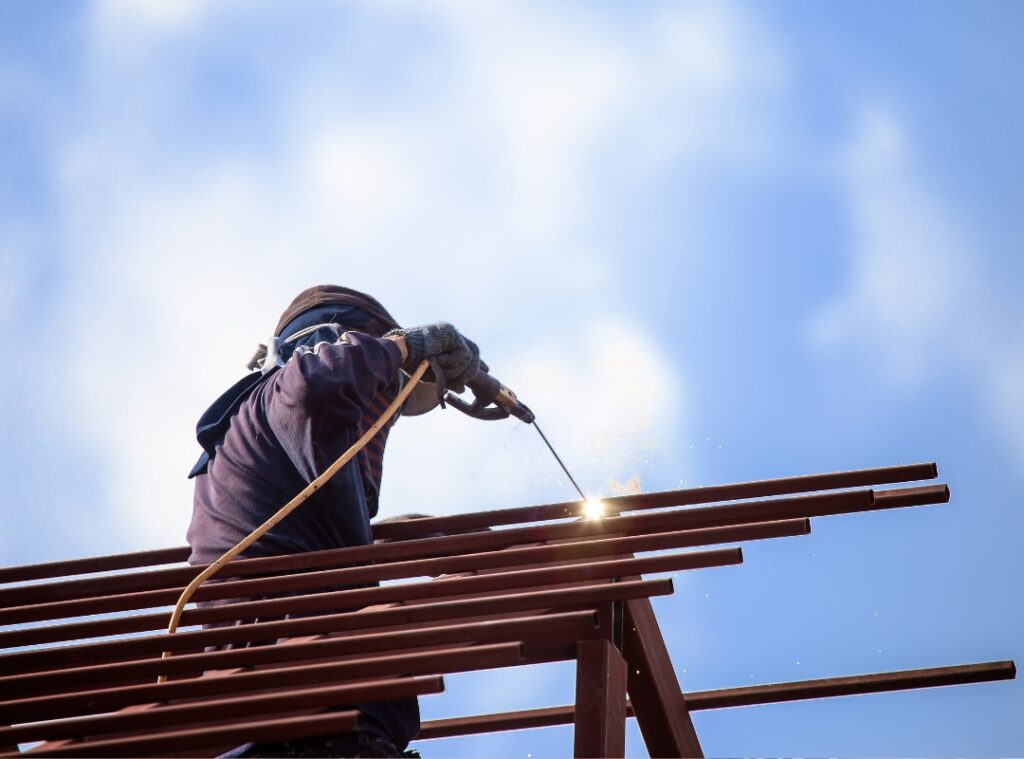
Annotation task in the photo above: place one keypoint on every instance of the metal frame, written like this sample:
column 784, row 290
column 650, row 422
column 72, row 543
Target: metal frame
column 297, row 634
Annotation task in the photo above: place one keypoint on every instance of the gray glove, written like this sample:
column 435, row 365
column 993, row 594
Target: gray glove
column 455, row 356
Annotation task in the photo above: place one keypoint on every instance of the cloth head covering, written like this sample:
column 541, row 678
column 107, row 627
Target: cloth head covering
column 334, row 295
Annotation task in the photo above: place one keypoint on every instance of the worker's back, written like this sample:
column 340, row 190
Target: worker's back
column 271, row 435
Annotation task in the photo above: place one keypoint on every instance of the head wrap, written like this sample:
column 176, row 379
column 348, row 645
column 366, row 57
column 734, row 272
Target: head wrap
column 334, row 295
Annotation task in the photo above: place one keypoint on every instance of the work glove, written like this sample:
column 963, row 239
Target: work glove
column 451, row 354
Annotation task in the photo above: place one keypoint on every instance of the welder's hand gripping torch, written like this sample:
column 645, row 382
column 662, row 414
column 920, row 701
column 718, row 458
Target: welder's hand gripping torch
column 491, row 401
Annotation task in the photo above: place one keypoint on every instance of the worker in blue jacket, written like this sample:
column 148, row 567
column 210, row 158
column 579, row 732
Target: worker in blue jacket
column 336, row 361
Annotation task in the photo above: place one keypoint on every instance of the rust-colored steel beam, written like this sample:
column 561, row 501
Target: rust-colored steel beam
column 685, row 497
column 334, row 578
column 731, row 514
column 442, row 661
column 600, row 713
column 30, row 572
column 745, row 696
column 258, row 632
column 477, row 724
column 457, row 545
column 662, row 711
column 225, row 709
column 880, row 682
column 476, row 520
column 581, row 624
column 798, row 507
column 349, row 599
column 763, row 511
column 795, row 507
column 184, row 741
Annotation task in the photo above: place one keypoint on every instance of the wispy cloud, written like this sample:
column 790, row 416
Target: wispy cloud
column 907, row 263
column 919, row 299
column 607, row 399
column 470, row 196
column 153, row 16
column 14, row 273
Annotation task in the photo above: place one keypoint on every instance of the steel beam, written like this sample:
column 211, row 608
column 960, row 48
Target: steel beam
column 405, row 615
column 225, row 709
column 334, row 578
column 280, row 679
column 798, row 507
column 31, row 572
column 477, row 520
column 880, row 682
column 416, row 528
column 660, row 707
column 356, row 598
column 187, row 740
column 600, row 714
column 744, row 696
column 795, row 507
column 577, row 625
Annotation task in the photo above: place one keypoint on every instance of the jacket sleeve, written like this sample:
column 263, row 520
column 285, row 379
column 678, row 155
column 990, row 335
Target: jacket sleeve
column 335, row 382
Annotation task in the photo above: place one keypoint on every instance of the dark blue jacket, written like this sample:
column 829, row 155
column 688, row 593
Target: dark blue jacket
column 289, row 429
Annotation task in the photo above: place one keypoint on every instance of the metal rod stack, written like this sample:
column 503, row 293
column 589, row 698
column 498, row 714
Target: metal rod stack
column 277, row 641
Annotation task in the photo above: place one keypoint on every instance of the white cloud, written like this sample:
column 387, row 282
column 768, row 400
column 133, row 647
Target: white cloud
column 606, row 400
column 155, row 16
column 471, row 197
column 367, row 177
column 1005, row 386
column 918, row 300
column 14, row 274
column 908, row 265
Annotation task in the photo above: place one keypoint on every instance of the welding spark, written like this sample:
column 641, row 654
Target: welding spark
column 593, row 509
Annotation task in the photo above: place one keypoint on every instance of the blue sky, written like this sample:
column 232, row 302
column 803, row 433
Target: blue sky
column 705, row 242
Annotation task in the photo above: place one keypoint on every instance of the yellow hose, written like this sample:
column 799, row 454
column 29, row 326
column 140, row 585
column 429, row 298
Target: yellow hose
column 289, row 507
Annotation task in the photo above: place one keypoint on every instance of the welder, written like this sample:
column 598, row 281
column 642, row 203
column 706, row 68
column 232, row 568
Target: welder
column 335, row 361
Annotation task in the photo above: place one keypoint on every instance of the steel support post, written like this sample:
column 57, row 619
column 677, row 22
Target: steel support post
column 600, row 700
column 658, row 702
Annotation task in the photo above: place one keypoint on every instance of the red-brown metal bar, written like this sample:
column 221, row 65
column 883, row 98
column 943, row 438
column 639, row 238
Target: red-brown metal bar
column 657, row 700
column 733, row 514
column 749, row 512
column 600, row 714
column 225, row 709
column 182, row 741
column 348, row 599
column 660, row 707
column 688, row 519
column 477, row 724
column 476, row 520
column 448, row 611
column 333, row 578
column 686, row 497
column 30, row 572
column 581, row 624
column 880, row 682
column 744, row 696
column 443, row 661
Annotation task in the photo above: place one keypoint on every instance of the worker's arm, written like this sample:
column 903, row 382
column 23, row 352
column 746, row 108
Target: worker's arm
column 335, row 382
